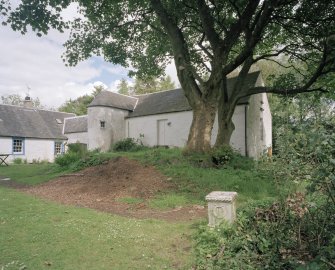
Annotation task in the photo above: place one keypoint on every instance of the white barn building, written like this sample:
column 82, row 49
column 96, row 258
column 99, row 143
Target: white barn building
column 164, row 118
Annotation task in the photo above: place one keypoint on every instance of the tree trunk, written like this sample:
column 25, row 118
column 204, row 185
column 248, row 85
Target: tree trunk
column 199, row 138
column 225, row 124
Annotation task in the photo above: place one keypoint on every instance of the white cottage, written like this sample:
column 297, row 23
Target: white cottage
column 31, row 134
column 164, row 118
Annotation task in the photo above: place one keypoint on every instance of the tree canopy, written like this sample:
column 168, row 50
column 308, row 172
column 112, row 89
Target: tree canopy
column 206, row 39
column 146, row 85
column 79, row 105
column 18, row 100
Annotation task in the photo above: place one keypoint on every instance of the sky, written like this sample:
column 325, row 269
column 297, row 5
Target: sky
column 31, row 64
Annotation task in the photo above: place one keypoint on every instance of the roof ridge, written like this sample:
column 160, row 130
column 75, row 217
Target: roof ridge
column 77, row 116
column 158, row 92
column 118, row 94
column 38, row 109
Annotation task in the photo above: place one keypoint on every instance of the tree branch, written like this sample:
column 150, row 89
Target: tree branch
column 208, row 25
column 186, row 74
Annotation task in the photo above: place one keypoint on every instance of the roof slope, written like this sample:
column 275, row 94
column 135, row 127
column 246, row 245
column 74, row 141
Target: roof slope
column 18, row 121
column 114, row 100
column 161, row 102
column 75, row 124
column 175, row 100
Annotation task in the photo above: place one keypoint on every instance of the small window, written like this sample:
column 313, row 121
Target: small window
column 102, row 124
column 58, row 148
column 18, row 146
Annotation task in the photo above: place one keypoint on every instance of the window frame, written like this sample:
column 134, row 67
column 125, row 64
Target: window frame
column 61, row 148
column 23, row 144
column 102, row 124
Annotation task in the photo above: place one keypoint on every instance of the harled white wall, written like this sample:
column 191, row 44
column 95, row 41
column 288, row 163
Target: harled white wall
column 259, row 125
column 103, row 138
column 34, row 149
column 78, row 137
column 177, row 128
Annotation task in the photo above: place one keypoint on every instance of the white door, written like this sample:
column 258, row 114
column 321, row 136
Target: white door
column 161, row 128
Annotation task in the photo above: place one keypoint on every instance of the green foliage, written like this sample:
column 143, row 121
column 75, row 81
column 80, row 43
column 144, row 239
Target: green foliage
column 283, row 235
column 79, row 105
column 295, row 232
column 79, row 148
column 146, row 85
column 67, row 159
column 127, row 145
column 17, row 161
column 123, row 88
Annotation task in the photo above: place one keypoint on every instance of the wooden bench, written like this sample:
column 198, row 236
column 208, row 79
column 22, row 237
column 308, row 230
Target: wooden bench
column 3, row 158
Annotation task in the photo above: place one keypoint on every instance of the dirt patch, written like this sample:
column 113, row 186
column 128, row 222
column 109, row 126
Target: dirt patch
column 102, row 186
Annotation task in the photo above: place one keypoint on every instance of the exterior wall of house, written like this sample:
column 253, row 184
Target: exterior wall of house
column 114, row 130
column 259, row 125
column 81, row 137
column 174, row 129
column 34, row 149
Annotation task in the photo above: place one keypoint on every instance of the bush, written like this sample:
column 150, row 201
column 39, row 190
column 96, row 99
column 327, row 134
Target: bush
column 17, row 161
column 67, row 159
column 128, row 145
column 79, row 148
column 221, row 157
column 296, row 233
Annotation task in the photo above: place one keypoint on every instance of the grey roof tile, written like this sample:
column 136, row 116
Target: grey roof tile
column 115, row 100
column 175, row 100
column 19, row 121
column 75, row 124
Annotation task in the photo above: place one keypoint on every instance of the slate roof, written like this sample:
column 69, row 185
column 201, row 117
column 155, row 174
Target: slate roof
column 160, row 102
column 16, row 121
column 75, row 124
column 114, row 100
column 175, row 100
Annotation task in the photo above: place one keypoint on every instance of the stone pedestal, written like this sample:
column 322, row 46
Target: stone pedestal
column 221, row 206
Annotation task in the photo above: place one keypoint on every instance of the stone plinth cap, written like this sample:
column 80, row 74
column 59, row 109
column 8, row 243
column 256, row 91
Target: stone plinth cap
column 221, row 196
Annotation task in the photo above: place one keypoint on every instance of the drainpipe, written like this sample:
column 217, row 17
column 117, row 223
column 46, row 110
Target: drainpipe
column 245, row 130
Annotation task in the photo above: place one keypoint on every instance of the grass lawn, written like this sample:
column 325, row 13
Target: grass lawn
column 31, row 174
column 43, row 235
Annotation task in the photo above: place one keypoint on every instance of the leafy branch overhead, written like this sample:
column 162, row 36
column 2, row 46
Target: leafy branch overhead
column 207, row 40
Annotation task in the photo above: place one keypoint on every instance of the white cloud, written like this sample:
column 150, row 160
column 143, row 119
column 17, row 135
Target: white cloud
column 30, row 61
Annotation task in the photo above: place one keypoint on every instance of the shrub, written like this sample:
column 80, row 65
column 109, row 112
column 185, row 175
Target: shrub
column 67, row 159
column 79, row 148
column 222, row 155
column 296, row 233
column 17, row 161
column 128, row 145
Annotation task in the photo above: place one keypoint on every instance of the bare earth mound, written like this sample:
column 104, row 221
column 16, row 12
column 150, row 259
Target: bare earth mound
column 102, row 186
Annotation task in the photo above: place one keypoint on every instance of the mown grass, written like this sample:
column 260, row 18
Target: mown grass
column 43, row 235
column 31, row 174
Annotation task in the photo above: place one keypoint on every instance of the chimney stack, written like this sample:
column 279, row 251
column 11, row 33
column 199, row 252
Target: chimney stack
column 28, row 103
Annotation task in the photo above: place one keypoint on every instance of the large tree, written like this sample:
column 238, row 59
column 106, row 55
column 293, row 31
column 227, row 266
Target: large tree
column 207, row 39
column 79, row 105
